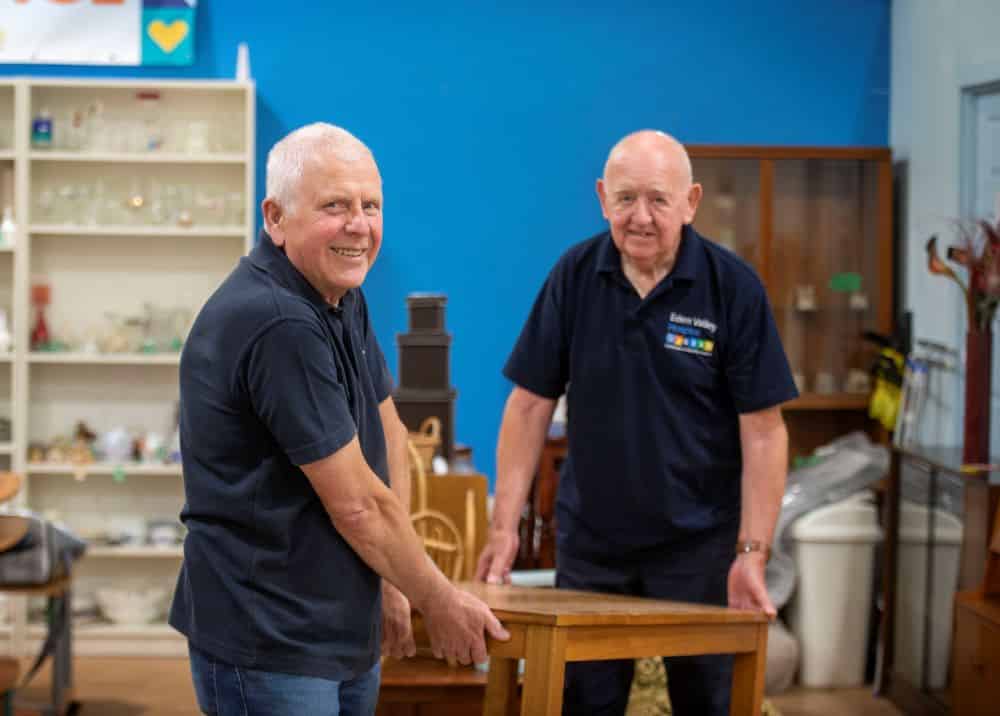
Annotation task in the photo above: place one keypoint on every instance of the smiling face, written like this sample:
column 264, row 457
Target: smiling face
column 331, row 229
column 647, row 196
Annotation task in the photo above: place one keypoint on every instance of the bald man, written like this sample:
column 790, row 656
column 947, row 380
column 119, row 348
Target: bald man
column 299, row 542
column 666, row 348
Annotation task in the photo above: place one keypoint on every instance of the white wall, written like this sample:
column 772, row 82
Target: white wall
column 938, row 46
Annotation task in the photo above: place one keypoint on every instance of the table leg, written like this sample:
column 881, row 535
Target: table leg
column 748, row 678
column 544, row 670
column 501, row 687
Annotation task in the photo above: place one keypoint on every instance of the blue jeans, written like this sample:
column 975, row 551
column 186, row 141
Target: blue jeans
column 226, row 690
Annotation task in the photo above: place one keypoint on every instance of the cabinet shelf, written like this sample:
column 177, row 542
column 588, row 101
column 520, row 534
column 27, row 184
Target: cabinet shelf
column 102, row 468
column 71, row 358
column 6, row 357
column 836, row 401
column 112, row 631
column 6, row 154
column 136, row 552
column 135, row 158
column 6, row 448
column 199, row 231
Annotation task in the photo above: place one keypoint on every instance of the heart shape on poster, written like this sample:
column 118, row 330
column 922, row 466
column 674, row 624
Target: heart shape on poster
column 168, row 37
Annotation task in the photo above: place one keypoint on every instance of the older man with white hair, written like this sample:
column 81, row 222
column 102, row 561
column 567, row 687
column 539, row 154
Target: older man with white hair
column 677, row 448
column 299, row 543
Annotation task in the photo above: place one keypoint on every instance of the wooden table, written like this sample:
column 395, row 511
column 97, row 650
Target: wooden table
column 549, row 627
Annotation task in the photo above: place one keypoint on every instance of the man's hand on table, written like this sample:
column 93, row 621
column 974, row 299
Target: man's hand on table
column 397, row 627
column 456, row 622
column 498, row 557
column 746, row 586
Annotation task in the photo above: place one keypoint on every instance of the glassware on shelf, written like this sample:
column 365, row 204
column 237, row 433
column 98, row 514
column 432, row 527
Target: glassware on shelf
column 198, row 137
column 41, row 130
column 41, row 294
column 70, row 131
column 150, row 125
column 5, row 336
column 235, row 209
column 135, row 200
column 45, row 203
column 826, row 384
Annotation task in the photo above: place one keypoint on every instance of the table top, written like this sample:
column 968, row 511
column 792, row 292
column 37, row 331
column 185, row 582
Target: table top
column 564, row 607
column 949, row 459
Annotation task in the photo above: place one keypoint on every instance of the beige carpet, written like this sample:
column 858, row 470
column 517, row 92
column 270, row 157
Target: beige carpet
column 649, row 691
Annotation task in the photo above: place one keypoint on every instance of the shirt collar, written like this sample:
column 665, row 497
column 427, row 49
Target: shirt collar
column 686, row 266
column 272, row 260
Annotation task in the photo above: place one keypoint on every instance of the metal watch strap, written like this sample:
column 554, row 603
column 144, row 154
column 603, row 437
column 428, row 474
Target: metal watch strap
column 752, row 545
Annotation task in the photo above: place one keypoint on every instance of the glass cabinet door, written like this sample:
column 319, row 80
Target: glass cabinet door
column 729, row 213
column 823, row 271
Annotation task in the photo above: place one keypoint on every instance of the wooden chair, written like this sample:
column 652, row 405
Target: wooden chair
column 448, row 515
column 426, row 441
column 442, row 539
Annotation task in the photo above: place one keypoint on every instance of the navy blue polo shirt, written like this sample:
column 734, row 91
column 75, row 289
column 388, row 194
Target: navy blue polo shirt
column 655, row 388
column 272, row 377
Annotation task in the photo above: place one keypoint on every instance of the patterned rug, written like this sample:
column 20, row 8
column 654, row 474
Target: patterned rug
column 649, row 691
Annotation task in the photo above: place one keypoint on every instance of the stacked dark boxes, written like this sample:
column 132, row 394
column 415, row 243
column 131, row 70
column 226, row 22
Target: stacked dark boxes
column 424, row 369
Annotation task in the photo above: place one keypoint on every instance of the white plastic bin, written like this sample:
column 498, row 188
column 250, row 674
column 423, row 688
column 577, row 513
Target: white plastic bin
column 834, row 550
column 911, row 592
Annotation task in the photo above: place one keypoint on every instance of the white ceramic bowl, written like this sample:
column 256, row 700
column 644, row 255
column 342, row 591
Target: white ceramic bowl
column 131, row 606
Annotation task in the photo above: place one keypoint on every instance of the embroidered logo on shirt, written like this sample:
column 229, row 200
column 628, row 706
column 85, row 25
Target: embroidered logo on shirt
column 690, row 335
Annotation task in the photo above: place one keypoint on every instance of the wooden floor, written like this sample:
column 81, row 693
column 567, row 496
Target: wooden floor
column 162, row 687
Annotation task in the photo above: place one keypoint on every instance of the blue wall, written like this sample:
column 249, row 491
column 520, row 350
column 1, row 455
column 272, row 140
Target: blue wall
column 491, row 123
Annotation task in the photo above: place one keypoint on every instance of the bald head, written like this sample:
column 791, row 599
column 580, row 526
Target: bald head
column 312, row 142
column 647, row 143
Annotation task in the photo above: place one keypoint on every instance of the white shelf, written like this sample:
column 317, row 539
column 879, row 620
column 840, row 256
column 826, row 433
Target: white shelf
column 6, row 448
column 136, row 158
column 67, row 358
column 113, row 631
column 6, row 249
column 102, row 639
column 6, row 154
column 101, row 468
column 6, row 356
column 94, row 84
column 135, row 552
column 200, row 231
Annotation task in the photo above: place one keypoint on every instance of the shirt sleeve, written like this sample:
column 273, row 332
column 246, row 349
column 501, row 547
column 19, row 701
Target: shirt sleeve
column 756, row 365
column 297, row 390
column 540, row 359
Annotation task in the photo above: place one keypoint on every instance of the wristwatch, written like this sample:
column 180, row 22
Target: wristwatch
column 752, row 545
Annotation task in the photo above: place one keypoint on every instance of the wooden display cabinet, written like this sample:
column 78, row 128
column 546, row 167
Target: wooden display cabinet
column 816, row 224
column 111, row 219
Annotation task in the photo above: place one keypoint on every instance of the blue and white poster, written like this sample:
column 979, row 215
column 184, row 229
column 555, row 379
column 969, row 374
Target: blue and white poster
column 98, row 32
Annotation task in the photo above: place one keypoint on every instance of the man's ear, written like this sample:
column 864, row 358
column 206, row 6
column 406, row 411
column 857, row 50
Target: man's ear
column 693, row 199
column 273, row 215
column 602, row 197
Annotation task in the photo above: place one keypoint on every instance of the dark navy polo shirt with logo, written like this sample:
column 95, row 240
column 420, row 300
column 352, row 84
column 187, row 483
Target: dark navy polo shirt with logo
column 271, row 378
column 655, row 388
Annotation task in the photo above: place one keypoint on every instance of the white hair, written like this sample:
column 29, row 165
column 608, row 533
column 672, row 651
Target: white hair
column 289, row 155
